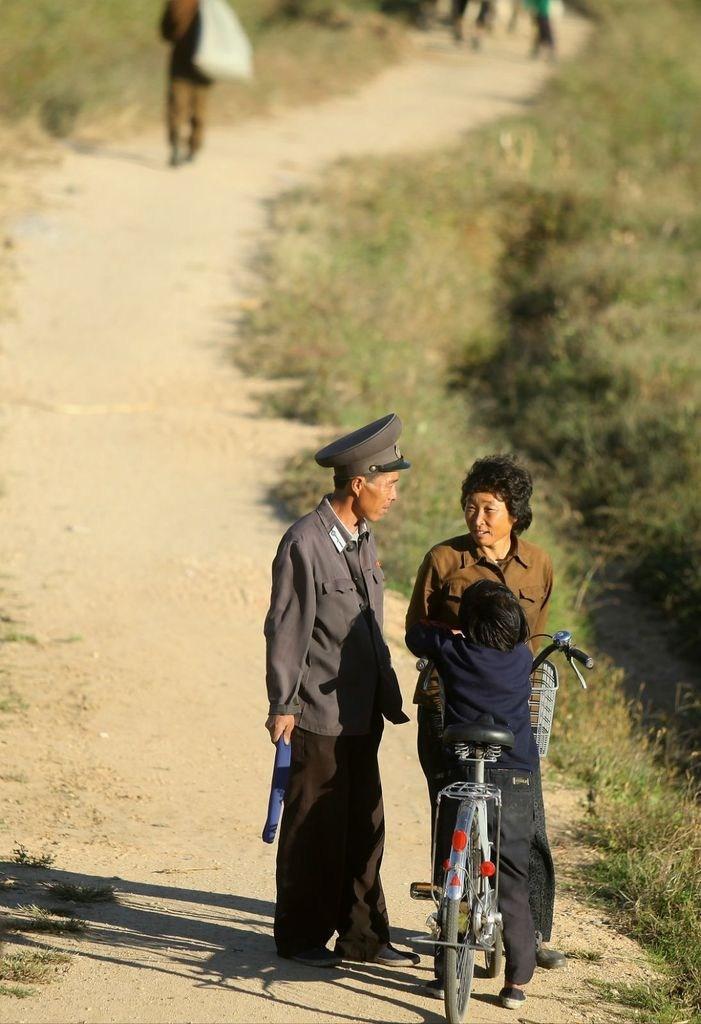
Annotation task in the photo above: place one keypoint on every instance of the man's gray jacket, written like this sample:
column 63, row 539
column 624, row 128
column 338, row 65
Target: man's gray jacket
column 327, row 661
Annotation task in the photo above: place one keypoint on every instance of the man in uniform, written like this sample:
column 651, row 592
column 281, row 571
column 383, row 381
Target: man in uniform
column 330, row 684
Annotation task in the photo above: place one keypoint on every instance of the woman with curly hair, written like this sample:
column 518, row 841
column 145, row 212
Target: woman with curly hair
column 495, row 499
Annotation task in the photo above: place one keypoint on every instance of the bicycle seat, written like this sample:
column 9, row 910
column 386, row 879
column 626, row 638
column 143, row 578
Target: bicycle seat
column 481, row 734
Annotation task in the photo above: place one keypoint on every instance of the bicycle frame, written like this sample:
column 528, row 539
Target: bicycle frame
column 474, row 797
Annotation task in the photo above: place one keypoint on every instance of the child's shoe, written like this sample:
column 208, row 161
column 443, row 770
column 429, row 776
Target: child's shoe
column 512, row 998
column 434, row 988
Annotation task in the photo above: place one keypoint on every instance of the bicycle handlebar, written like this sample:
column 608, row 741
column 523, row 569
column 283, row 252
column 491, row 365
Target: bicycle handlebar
column 562, row 641
column 582, row 657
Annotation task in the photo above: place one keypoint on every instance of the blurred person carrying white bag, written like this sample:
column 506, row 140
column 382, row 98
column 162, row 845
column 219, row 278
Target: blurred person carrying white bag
column 223, row 49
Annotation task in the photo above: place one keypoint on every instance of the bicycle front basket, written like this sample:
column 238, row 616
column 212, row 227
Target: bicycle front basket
column 544, row 685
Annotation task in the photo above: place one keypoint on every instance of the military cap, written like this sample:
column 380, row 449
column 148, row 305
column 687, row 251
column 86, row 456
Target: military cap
column 370, row 449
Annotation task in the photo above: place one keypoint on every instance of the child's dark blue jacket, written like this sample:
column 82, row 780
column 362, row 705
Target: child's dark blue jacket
column 482, row 681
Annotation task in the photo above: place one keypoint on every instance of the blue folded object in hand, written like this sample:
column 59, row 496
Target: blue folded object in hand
column 278, row 786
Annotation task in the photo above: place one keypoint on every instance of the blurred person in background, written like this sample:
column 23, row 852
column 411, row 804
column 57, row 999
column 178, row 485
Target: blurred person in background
column 516, row 6
column 481, row 25
column 544, row 37
column 187, row 87
column 426, row 13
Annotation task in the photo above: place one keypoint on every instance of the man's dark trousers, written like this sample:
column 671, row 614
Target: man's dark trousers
column 330, row 847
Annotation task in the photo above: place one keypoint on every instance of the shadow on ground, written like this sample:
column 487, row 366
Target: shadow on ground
column 216, row 940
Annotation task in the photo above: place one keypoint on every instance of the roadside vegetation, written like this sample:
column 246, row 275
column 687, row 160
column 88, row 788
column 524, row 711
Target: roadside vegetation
column 35, row 909
column 536, row 289
column 80, row 64
column 33, row 918
column 21, row 855
column 70, row 892
column 29, row 965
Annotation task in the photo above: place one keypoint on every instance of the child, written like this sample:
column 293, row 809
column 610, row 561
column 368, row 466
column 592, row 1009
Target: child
column 485, row 668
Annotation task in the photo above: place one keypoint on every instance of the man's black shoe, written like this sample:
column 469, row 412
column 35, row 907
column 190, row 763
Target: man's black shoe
column 319, row 957
column 391, row 957
column 387, row 956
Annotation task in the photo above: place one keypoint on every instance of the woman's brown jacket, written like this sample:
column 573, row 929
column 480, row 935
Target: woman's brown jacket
column 452, row 566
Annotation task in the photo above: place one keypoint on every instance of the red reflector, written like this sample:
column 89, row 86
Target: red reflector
column 487, row 869
column 459, row 840
column 446, row 865
column 454, row 881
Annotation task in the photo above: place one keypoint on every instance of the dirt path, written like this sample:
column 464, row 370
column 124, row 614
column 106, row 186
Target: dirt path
column 136, row 544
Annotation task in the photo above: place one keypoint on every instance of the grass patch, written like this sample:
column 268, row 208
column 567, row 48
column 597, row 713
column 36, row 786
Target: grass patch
column 14, row 637
column 302, row 52
column 590, row 956
column 11, row 702
column 651, row 1004
column 536, row 288
column 39, row 919
column 73, row 893
column 16, row 991
column 35, row 965
column 21, row 855
column 61, row 910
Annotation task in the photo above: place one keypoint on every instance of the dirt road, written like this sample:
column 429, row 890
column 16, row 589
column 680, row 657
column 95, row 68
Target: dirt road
column 136, row 541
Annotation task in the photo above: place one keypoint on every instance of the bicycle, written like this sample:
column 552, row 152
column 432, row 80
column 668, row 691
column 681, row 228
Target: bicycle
column 467, row 918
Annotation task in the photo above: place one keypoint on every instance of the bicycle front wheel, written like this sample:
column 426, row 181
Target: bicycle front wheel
column 458, row 931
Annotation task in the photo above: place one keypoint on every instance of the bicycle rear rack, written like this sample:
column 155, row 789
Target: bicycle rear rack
column 474, row 790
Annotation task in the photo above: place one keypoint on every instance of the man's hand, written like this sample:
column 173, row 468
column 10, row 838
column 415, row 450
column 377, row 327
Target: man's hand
column 280, row 725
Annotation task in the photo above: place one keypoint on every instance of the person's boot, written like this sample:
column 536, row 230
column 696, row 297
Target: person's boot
column 175, row 160
column 548, row 959
column 387, row 956
column 193, row 149
column 319, row 956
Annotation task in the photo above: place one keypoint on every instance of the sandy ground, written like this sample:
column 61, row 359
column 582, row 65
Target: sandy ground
column 136, row 542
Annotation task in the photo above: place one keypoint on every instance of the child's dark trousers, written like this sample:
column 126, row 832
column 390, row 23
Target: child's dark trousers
column 517, row 829
column 542, row 870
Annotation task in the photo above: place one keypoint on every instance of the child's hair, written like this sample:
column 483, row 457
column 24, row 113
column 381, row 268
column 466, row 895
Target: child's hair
column 491, row 616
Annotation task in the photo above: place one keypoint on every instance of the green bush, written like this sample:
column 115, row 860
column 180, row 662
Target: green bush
column 323, row 12
column 93, row 59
